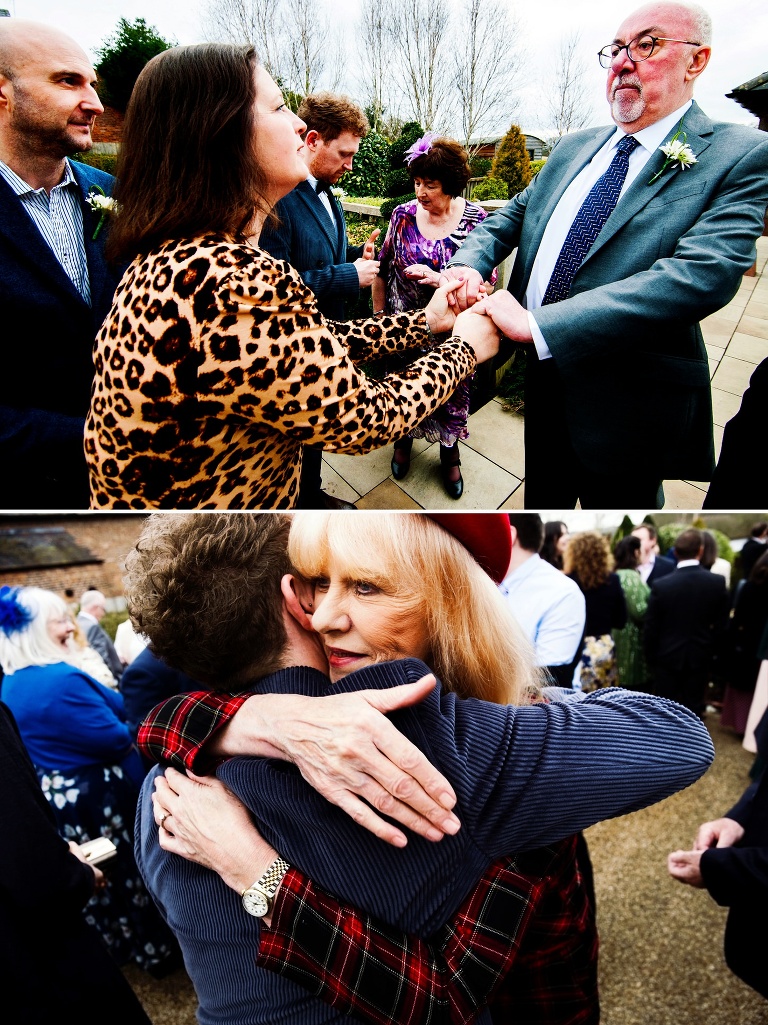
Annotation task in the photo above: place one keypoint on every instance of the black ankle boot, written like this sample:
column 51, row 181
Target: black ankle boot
column 401, row 467
column 449, row 457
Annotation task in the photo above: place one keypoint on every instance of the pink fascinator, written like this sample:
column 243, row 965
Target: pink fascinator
column 420, row 147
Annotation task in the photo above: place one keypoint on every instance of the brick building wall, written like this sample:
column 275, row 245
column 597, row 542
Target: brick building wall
column 108, row 536
column 109, row 126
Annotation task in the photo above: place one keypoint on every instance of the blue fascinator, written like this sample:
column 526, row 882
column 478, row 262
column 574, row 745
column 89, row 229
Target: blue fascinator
column 14, row 616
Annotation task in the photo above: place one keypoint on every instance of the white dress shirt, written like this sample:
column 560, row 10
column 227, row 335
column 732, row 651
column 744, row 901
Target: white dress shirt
column 571, row 202
column 59, row 219
column 324, row 198
column 549, row 607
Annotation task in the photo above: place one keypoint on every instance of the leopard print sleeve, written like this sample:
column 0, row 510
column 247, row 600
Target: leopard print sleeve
column 214, row 366
column 308, row 383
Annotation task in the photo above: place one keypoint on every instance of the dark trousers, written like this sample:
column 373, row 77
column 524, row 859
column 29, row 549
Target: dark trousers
column 555, row 476
column 311, row 480
column 685, row 686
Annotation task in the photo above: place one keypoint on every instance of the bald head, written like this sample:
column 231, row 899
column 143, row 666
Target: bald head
column 644, row 91
column 22, row 42
column 48, row 102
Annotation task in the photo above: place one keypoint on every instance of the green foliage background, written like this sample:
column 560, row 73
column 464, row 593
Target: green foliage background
column 122, row 57
column 512, row 163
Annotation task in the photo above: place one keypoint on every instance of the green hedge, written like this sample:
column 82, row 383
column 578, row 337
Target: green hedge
column 389, row 204
column 490, row 188
column 104, row 161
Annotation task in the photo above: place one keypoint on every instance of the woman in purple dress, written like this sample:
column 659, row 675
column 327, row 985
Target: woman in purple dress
column 422, row 237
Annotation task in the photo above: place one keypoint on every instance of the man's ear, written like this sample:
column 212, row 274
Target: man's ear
column 311, row 139
column 699, row 61
column 297, row 595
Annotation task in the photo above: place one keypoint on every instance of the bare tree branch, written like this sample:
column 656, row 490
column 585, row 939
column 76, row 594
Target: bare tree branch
column 568, row 103
column 487, row 65
column 421, row 28
column 376, row 40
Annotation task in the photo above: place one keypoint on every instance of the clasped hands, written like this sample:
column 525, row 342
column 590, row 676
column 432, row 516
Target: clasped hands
column 463, row 306
column 685, row 866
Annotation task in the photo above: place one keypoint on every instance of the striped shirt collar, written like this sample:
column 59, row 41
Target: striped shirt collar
column 22, row 188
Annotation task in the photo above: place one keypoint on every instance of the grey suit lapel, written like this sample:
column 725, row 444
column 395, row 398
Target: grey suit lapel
column 318, row 211
column 698, row 128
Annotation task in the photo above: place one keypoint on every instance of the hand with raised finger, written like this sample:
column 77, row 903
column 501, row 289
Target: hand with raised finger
column 369, row 249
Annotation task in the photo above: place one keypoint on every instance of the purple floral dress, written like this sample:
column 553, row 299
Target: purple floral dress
column 403, row 246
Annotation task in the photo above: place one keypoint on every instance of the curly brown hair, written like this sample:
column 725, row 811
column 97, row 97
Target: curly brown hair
column 446, row 162
column 330, row 114
column 588, row 557
column 205, row 589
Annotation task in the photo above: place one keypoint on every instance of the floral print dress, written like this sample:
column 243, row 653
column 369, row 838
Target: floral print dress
column 404, row 246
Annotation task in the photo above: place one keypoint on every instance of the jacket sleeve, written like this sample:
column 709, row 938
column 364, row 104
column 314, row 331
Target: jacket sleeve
column 176, row 731
column 311, row 386
column 735, row 875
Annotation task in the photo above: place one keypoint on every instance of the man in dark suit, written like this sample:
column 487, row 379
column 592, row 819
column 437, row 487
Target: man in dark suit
column 687, row 611
column 754, row 548
column 730, row 860
column 623, row 249
column 55, row 287
column 651, row 566
column 312, row 236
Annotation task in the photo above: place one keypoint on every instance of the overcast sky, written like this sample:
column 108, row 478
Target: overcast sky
column 740, row 31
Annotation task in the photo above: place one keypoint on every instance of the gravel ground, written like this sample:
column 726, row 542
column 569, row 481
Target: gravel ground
column 661, row 943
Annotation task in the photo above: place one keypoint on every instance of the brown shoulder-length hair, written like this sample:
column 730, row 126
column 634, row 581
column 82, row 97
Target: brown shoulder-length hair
column 588, row 556
column 446, row 162
column 187, row 163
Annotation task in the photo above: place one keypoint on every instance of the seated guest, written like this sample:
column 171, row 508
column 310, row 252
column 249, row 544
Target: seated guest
column 214, row 365
column 423, row 235
column 410, row 604
column 86, row 763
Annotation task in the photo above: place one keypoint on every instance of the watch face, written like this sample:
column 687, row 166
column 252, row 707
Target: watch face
column 255, row 903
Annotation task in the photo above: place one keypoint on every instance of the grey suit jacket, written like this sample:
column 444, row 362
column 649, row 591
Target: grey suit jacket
column 101, row 642
column 627, row 341
column 308, row 241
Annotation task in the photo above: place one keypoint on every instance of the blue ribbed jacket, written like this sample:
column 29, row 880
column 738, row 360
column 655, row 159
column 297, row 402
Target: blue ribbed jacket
column 524, row 777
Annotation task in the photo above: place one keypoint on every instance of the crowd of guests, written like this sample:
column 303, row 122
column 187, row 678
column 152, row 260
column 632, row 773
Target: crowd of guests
column 189, row 319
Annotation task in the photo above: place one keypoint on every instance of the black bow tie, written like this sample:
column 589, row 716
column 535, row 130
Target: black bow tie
column 322, row 187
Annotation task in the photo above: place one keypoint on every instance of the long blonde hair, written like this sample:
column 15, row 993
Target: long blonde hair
column 477, row 649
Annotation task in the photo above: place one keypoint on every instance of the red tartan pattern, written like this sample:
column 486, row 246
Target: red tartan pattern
column 524, row 940
column 176, row 730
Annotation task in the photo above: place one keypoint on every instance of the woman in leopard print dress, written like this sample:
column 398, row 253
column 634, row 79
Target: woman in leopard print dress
column 214, row 366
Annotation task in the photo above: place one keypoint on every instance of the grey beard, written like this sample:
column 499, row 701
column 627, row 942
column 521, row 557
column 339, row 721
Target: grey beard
column 625, row 110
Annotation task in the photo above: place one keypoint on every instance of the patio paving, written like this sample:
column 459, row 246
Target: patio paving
column 492, row 458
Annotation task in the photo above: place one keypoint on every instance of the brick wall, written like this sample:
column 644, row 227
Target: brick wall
column 108, row 536
column 109, row 126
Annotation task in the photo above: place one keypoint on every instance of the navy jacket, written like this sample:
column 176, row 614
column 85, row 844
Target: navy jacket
column 47, row 342
column 306, row 239
column 507, row 765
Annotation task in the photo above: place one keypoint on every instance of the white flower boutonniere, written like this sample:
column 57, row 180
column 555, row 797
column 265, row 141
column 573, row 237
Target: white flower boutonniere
column 677, row 152
column 101, row 204
column 338, row 192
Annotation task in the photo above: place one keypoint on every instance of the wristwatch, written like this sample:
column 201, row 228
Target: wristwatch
column 257, row 899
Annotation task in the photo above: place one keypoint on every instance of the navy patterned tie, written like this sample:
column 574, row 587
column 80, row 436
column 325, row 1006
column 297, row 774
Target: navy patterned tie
column 594, row 212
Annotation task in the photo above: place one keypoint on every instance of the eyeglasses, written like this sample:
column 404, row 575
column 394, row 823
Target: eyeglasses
column 639, row 49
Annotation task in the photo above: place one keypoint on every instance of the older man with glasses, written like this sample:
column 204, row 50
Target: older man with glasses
column 627, row 238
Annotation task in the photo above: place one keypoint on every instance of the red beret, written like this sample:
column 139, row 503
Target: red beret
column 486, row 536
